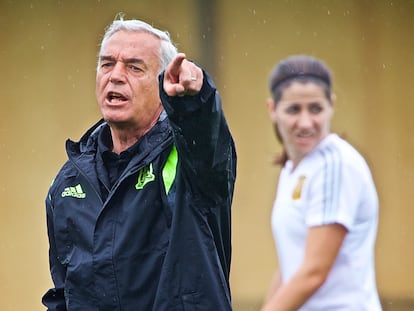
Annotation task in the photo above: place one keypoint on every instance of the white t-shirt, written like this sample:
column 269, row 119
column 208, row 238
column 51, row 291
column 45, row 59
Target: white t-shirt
column 332, row 184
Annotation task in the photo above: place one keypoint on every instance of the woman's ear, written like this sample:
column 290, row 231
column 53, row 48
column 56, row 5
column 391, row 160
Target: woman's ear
column 333, row 99
column 270, row 103
column 271, row 109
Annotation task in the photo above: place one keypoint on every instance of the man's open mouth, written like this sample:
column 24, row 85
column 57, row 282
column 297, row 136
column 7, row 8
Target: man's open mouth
column 114, row 97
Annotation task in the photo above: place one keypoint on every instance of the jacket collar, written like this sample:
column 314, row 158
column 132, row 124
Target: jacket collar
column 88, row 143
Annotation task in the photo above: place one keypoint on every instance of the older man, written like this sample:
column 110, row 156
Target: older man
column 139, row 216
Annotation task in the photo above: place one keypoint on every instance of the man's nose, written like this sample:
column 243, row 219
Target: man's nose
column 118, row 73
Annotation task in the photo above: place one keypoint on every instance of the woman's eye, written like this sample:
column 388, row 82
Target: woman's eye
column 292, row 109
column 315, row 109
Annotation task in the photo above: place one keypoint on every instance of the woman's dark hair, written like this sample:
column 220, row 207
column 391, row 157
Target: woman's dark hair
column 298, row 68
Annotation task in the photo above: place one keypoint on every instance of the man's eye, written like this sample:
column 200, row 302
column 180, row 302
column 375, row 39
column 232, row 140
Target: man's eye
column 135, row 68
column 106, row 65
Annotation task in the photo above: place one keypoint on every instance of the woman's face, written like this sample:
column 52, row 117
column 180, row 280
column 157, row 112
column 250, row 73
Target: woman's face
column 302, row 117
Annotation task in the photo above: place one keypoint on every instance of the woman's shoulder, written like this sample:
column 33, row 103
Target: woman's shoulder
column 335, row 147
column 334, row 151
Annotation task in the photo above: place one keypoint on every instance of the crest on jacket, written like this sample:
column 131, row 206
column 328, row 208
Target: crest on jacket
column 145, row 175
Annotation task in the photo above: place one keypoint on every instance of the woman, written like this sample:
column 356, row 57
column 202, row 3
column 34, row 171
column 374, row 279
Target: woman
column 325, row 215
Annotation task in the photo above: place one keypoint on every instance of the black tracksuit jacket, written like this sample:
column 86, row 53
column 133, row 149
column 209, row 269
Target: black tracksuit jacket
column 151, row 242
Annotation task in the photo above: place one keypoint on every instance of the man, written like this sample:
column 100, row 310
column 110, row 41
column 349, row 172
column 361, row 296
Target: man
column 139, row 216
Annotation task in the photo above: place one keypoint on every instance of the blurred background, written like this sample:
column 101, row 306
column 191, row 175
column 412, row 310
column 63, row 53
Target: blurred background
column 48, row 50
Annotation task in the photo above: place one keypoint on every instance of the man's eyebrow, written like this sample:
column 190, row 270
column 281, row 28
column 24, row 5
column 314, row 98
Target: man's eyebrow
column 108, row 58
column 131, row 60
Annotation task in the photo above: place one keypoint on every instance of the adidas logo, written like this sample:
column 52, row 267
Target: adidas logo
column 75, row 192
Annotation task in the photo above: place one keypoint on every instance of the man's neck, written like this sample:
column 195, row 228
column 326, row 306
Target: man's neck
column 122, row 139
column 124, row 136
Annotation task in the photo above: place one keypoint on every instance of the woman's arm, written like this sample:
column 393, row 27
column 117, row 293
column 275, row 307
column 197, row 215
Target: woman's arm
column 322, row 247
column 274, row 286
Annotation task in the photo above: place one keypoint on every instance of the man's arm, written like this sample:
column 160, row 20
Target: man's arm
column 201, row 134
column 54, row 299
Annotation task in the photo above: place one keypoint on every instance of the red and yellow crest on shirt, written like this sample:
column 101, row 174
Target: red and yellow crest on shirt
column 297, row 192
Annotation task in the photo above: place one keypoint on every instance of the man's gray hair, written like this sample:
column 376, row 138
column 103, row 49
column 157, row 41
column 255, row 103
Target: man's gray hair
column 167, row 50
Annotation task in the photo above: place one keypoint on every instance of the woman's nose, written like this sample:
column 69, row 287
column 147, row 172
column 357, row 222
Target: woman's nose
column 305, row 119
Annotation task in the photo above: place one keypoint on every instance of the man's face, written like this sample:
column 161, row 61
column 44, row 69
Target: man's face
column 127, row 80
